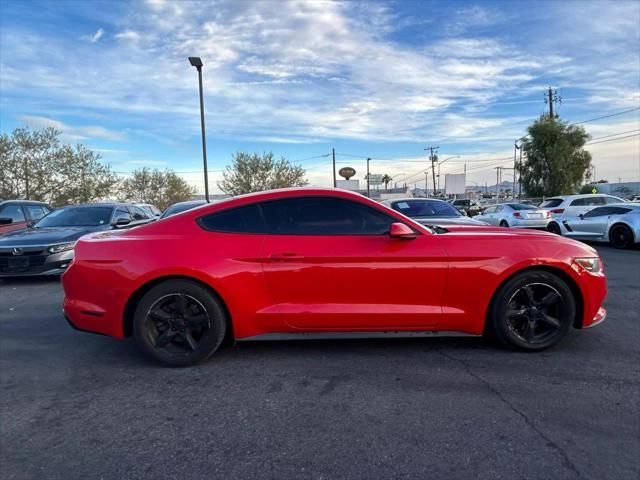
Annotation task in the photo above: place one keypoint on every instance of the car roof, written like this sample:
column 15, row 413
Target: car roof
column 24, row 202
column 414, row 199
column 96, row 205
column 580, row 195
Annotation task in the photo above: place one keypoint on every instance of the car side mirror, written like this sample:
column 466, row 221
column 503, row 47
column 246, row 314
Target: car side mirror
column 581, row 216
column 121, row 222
column 5, row 221
column 402, row 231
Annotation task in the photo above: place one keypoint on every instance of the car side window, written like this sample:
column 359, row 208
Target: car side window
column 610, row 200
column 597, row 212
column 14, row 212
column 489, row 210
column 122, row 214
column 324, row 216
column 619, row 210
column 138, row 214
column 247, row 219
column 36, row 212
column 499, row 208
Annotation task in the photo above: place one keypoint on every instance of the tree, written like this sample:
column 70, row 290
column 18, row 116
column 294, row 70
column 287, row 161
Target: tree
column 160, row 188
column 35, row 165
column 386, row 179
column 254, row 173
column 556, row 163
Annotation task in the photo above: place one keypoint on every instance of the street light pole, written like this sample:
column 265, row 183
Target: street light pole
column 440, row 163
column 197, row 62
column 368, row 191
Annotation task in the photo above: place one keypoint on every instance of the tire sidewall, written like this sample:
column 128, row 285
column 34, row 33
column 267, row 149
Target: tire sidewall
column 554, row 228
column 500, row 328
column 207, row 345
column 504, row 224
column 630, row 238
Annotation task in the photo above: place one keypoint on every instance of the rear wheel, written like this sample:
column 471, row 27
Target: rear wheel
column 503, row 223
column 553, row 227
column 532, row 311
column 621, row 236
column 179, row 323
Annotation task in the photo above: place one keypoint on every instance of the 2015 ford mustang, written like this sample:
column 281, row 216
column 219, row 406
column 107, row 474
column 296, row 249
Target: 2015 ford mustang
column 315, row 261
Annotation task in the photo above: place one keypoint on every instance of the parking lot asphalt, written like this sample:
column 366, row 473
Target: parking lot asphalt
column 76, row 405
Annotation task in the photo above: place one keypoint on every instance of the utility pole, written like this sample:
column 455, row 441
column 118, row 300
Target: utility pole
column 520, row 177
column 368, row 190
column 550, row 98
column 515, row 150
column 434, row 158
column 497, row 182
column 333, row 152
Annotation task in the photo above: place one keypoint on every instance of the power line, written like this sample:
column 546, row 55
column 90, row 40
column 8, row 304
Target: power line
column 613, row 139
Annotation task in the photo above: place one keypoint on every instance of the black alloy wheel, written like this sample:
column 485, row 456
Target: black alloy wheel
column 179, row 323
column 533, row 311
column 621, row 236
column 553, row 227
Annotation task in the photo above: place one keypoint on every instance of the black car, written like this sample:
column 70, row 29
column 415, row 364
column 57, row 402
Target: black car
column 470, row 207
column 46, row 247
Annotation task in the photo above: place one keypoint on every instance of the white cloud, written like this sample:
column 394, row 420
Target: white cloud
column 95, row 37
column 72, row 133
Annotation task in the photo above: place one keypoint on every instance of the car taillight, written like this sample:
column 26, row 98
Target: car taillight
column 516, row 214
column 557, row 211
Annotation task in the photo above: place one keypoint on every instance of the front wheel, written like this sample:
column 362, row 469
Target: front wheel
column 532, row 311
column 621, row 236
column 179, row 323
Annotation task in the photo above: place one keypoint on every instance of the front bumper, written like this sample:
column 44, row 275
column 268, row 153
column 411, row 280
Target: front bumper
column 599, row 317
column 35, row 265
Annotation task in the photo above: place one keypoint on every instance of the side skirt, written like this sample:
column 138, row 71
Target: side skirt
column 349, row 335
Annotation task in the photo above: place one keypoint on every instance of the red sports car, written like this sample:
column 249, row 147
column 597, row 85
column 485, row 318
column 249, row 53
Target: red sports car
column 296, row 262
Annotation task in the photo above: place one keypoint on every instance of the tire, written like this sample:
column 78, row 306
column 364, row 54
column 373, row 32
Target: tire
column 179, row 323
column 504, row 224
column 553, row 227
column 515, row 324
column 621, row 236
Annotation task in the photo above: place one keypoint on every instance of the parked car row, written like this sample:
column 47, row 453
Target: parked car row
column 44, row 246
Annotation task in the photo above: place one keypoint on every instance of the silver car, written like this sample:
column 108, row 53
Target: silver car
column 617, row 223
column 429, row 211
column 518, row 215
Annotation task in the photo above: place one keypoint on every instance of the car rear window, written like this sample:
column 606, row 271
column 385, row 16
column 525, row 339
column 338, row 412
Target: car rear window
column 522, row 206
column 551, row 203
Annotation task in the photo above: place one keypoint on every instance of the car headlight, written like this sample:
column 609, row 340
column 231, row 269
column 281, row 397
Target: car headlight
column 63, row 247
column 590, row 264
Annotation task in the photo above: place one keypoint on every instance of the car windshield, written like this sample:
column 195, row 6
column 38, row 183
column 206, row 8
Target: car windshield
column 552, row 202
column 77, row 217
column 179, row 208
column 426, row 208
column 522, row 206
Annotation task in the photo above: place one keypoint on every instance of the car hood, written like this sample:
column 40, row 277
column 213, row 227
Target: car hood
column 445, row 221
column 46, row 236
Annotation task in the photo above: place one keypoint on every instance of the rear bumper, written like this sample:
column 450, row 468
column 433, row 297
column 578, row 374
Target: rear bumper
column 530, row 223
column 93, row 301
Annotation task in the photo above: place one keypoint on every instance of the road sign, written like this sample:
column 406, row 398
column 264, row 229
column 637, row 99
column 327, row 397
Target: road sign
column 594, row 190
column 375, row 179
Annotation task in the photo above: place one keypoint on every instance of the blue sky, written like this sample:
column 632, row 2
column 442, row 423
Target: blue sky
column 378, row 79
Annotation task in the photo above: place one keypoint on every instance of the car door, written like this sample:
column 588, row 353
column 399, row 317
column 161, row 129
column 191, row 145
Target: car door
column 329, row 264
column 486, row 215
column 588, row 225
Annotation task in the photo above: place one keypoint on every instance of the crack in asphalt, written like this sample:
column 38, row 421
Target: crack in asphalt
column 565, row 457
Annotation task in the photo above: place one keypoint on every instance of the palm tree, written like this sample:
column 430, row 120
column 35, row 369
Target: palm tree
column 386, row 179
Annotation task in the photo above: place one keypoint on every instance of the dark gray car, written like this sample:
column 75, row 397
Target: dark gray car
column 46, row 247
column 429, row 211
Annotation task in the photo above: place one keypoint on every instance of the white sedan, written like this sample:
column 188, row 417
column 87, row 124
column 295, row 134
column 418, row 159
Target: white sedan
column 616, row 223
column 515, row 215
